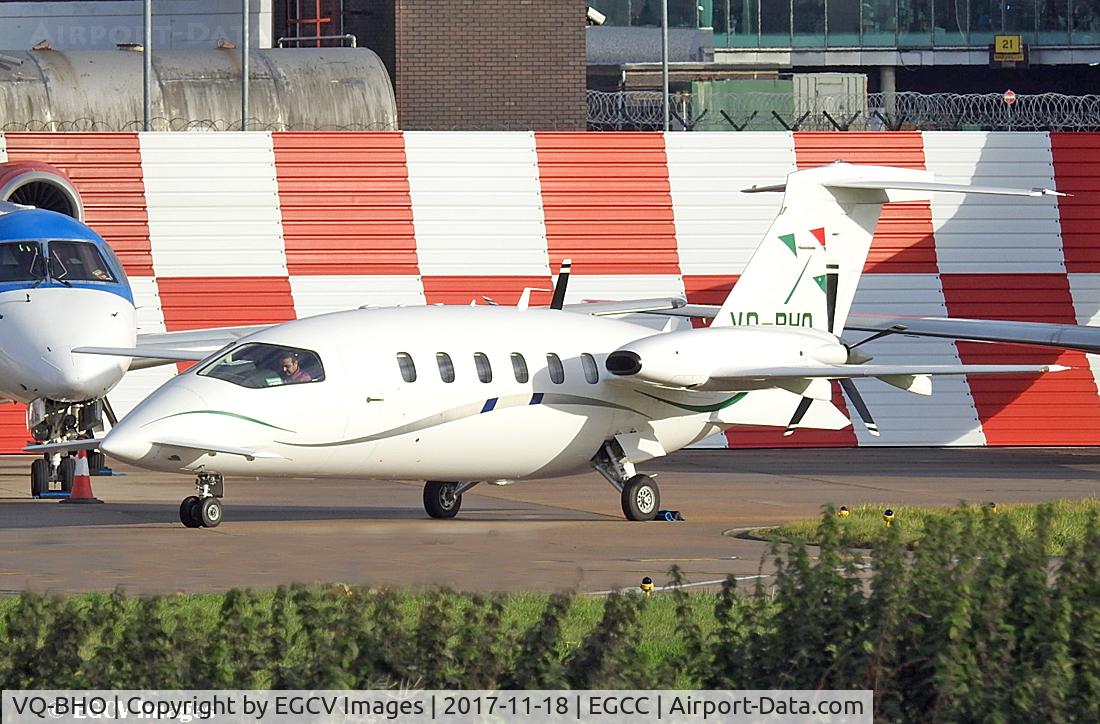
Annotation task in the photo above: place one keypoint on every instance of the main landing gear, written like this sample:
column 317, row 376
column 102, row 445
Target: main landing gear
column 46, row 470
column 442, row 499
column 639, row 494
column 205, row 509
column 53, row 421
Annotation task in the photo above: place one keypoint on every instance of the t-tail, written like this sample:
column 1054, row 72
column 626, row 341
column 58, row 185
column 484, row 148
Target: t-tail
column 805, row 271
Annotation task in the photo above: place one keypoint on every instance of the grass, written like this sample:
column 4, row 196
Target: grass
column 864, row 527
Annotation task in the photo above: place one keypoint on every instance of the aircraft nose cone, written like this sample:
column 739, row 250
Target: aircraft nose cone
column 79, row 377
column 154, row 420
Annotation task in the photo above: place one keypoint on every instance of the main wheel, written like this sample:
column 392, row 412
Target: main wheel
column 641, row 498
column 189, row 512
column 440, row 500
column 210, row 511
column 96, row 461
column 40, row 477
column 66, row 469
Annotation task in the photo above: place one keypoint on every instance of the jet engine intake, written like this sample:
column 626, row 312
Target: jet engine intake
column 33, row 183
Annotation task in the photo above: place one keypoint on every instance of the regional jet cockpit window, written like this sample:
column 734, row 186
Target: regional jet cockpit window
column 21, row 261
column 259, row 365
column 78, row 261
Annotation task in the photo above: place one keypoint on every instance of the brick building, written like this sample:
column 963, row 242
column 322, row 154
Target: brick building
column 465, row 64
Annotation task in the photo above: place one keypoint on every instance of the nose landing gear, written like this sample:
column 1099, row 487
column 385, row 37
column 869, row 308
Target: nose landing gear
column 443, row 500
column 205, row 509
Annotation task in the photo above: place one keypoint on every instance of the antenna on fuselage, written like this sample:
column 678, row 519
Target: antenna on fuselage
column 558, row 300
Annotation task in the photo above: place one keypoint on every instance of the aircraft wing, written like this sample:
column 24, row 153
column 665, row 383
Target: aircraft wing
column 630, row 306
column 163, row 348
column 65, row 446
column 1062, row 336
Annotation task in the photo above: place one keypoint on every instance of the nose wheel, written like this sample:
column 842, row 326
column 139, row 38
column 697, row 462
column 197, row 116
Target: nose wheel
column 444, row 499
column 205, row 509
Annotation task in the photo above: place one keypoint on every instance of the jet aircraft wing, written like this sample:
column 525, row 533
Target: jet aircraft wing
column 629, row 306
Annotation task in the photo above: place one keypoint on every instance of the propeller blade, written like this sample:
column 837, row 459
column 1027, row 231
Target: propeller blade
column 558, row 301
column 799, row 413
column 832, row 281
column 861, row 407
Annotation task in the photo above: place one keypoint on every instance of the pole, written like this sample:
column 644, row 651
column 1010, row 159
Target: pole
column 147, row 67
column 664, row 61
column 244, row 64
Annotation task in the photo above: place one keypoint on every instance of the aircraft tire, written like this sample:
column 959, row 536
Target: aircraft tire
column 96, row 461
column 189, row 513
column 641, row 498
column 440, row 500
column 40, row 477
column 210, row 512
column 66, row 469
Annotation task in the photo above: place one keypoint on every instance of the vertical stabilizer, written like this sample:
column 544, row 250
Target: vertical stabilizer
column 807, row 267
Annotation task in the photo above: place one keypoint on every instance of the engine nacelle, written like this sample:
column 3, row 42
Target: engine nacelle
column 33, row 183
column 692, row 358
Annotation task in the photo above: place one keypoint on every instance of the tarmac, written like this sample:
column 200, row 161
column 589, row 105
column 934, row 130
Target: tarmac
column 564, row 534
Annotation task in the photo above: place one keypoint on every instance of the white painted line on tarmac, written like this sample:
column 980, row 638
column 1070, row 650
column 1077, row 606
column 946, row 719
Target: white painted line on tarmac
column 682, row 585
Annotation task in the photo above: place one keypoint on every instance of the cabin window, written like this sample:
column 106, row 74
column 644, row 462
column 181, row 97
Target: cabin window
column 21, row 261
column 591, row 372
column 556, row 368
column 78, row 261
column 408, row 367
column 484, row 369
column 519, row 367
column 258, row 365
column 446, row 367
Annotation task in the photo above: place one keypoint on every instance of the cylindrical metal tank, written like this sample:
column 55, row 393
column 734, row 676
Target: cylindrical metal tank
column 307, row 89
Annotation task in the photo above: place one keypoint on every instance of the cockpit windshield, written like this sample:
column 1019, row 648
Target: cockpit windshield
column 21, row 261
column 259, row 365
column 69, row 261
column 78, row 261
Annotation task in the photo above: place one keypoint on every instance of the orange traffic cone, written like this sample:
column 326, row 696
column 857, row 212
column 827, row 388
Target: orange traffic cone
column 82, row 482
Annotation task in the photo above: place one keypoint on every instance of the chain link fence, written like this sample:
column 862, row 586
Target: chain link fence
column 642, row 110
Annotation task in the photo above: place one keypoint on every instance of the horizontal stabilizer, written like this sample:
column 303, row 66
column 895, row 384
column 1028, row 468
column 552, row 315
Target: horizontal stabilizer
column 936, row 187
column 216, row 449
column 65, row 446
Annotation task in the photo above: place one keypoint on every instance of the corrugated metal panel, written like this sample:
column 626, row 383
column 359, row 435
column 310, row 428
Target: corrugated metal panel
column 994, row 234
column 476, row 204
column 199, row 302
column 607, row 202
column 13, row 431
column 1077, row 170
column 106, row 169
column 1085, row 289
column 213, row 204
column 345, row 203
column 315, row 294
column 717, row 227
column 903, row 240
column 136, row 386
column 1056, row 409
column 503, row 290
column 948, row 416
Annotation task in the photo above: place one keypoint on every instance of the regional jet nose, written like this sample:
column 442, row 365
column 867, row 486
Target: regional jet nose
column 161, row 417
column 65, row 375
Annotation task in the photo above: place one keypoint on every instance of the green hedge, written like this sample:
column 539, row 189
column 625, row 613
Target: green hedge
column 976, row 624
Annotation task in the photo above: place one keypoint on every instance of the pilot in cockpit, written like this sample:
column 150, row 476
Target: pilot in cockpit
column 290, row 369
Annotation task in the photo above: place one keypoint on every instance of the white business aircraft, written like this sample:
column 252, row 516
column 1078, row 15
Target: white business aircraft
column 458, row 396
column 61, row 289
